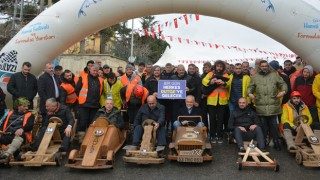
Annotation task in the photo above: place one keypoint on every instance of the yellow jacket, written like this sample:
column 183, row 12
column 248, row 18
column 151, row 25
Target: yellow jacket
column 245, row 83
column 114, row 92
column 220, row 93
column 289, row 113
column 316, row 89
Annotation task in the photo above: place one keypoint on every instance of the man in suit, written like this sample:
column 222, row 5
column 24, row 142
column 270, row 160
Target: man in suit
column 188, row 110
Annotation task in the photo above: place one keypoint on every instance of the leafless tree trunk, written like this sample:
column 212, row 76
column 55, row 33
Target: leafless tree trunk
column 82, row 46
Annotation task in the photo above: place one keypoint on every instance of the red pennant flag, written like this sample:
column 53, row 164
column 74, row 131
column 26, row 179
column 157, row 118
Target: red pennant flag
column 146, row 32
column 188, row 41
column 175, row 22
column 210, row 45
column 197, row 17
column 203, row 44
column 171, row 39
column 196, row 42
column 167, row 23
column 152, row 32
column 159, row 28
column 222, row 46
column 217, row 46
column 179, row 39
column 185, row 18
column 162, row 36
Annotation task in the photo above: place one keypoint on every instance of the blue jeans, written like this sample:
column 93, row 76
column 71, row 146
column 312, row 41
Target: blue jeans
column 138, row 132
column 177, row 124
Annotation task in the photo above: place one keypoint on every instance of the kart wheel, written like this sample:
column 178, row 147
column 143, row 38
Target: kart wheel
column 57, row 158
column 239, row 164
column 72, row 155
column 111, row 159
column 299, row 158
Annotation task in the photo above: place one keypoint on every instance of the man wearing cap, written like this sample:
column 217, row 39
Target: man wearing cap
column 106, row 70
column 303, row 84
column 276, row 66
column 294, row 107
column 265, row 90
column 57, row 74
column 133, row 96
column 23, row 84
column 18, row 126
column 130, row 77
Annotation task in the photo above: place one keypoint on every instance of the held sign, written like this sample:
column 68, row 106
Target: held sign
column 171, row 89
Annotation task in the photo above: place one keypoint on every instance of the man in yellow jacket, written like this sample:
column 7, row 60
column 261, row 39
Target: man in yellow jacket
column 290, row 111
column 217, row 100
column 111, row 90
column 316, row 92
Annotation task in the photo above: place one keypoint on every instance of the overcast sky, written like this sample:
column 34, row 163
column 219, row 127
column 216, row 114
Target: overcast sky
column 215, row 31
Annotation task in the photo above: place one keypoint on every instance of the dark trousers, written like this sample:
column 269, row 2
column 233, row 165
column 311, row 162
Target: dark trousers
column 314, row 113
column 65, row 140
column 248, row 136
column 132, row 112
column 269, row 124
column 204, row 111
column 216, row 116
column 313, row 126
column 138, row 132
column 86, row 116
column 6, row 139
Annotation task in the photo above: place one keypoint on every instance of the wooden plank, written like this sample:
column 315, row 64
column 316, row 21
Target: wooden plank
column 146, row 139
column 93, row 149
column 256, row 159
column 300, row 135
column 263, row 155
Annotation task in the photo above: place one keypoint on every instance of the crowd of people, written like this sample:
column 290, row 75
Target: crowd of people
column 251, row 102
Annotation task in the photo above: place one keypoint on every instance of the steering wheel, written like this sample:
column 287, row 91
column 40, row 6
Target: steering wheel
column 56, row 120
column 148, row 122
column 301, row 119
column 190, row 123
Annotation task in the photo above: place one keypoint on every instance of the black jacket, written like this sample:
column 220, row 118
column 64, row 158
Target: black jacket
column 114, row 116
column 93, row 94
column 152, row 85
column 243, row 117
column 46, row 90
column 64, row 114
column 196, row 82
column 195, row 111
column 16, row 120
column 157, row 114
column 189, row 83
column 286, row 79
column 22, row 86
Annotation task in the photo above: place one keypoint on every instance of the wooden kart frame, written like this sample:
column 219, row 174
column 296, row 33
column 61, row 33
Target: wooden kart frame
column 148, row 153
column 99, row 146
column 190, row 144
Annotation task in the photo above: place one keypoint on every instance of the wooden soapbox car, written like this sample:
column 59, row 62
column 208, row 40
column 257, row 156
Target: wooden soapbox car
column 99, row 146
column 190, row 144
column 148, row 152
column 308, row 152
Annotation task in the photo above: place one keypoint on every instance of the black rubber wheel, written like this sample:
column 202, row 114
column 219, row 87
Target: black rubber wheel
column 57, row 158
column 277, row 168
column 240, row 163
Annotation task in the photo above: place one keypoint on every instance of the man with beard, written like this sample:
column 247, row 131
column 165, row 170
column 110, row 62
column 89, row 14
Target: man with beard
column 87, row 68
column 217, row 100
column 288, row 68
column 268, row 87
column 196, row 83
column 152, row 82
column 148, row 73
column 245, row 68
column 23, row 84
column 68, row 95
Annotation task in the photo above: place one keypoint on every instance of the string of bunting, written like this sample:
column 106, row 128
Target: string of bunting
column 226, row 60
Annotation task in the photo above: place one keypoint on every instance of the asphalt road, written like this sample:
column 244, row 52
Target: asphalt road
column 222, row 167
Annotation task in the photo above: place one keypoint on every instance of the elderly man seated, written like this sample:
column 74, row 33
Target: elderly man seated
column 111, row 113
column 245, row 125
column 155, row 111
column 55, row 109
column 16, row 127
column 188, row 110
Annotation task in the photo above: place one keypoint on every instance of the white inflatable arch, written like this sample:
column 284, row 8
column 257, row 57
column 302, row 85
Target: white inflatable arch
column 296, row 24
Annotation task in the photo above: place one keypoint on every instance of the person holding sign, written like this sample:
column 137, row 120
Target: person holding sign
column 217, row 99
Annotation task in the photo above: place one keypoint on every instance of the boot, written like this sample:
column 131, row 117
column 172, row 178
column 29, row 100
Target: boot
column 277, row 145
column 289, row 139
column 316, row 133
column 13, row 147
column 81, row 135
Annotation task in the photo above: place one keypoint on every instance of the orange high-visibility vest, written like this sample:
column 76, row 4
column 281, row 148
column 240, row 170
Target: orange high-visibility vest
column 25, row 119
column 84, row 90
column 125, row 80
column 71, row 94
column 219, row 95
column 130, row 92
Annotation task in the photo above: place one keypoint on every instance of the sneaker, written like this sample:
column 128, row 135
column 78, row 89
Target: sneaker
column 214, row 140
column 242, row 149
column 219, row 140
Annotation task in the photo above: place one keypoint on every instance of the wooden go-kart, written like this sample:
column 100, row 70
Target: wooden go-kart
column 148, row 153
column 99, row 146
column 308, row 153
column 256, row 158
column 48, row 151
column 190, row 144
